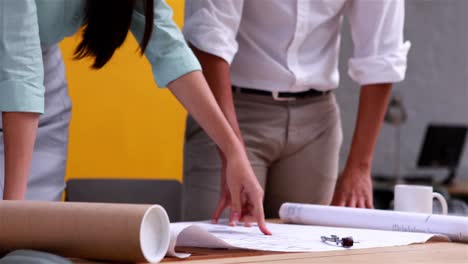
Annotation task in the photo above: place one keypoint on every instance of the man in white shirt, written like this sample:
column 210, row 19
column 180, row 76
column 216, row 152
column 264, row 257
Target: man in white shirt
column 273, row 66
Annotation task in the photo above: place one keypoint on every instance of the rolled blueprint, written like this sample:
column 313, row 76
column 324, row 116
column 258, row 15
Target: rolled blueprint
column 454, row 227
column 112, row 232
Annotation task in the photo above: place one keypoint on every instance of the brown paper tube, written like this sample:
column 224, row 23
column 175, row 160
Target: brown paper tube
column 112, row 232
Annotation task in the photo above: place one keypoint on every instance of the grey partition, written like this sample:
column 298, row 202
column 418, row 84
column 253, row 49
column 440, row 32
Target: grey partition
column 166, row 193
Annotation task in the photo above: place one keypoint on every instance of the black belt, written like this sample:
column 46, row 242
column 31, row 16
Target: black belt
column 281, row 96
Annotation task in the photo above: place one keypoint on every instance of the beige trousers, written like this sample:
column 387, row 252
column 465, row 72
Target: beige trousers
column 293, row 148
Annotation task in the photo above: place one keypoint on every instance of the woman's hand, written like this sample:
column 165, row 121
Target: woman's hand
column 246, row 194
column 241, row 192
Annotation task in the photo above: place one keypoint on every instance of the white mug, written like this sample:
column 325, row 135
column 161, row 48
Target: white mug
column 417, row 199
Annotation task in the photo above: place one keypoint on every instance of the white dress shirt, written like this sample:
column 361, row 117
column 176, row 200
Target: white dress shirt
column 293, row 45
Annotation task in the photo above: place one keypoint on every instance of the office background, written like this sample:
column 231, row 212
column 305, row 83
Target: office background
column 125, row 127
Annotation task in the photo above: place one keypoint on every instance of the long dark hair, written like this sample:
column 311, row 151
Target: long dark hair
column 106, row 26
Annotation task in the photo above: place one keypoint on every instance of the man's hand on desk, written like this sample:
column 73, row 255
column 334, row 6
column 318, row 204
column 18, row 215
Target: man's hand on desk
column 354, row 189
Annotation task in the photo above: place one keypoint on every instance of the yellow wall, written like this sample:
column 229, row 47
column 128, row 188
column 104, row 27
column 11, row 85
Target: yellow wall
column 123, row 126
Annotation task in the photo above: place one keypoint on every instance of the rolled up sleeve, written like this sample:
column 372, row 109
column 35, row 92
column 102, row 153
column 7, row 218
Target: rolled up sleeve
column 380, row 52
column 212, row 26
column 167, row 50
column 21, row 67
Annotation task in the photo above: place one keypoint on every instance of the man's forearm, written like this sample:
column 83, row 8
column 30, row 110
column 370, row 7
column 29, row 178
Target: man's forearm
column 217, row 74
column 19, row 131
column 372, row 107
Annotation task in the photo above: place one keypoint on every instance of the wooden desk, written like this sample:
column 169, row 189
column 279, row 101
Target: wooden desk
column 442, row 252
column 435, row 252
column 428, row 253
column 459, row 188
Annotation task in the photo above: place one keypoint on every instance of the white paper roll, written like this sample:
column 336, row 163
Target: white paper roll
column 454, row 227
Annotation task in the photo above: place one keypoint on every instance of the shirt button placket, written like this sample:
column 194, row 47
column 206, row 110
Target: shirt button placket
column 298, row 38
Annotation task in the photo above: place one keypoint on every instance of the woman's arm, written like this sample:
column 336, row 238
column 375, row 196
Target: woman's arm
column 19, row 131
column 216, row 72
column 193, row 92
column 211, row 28
column 175, row 66
column 21, row 90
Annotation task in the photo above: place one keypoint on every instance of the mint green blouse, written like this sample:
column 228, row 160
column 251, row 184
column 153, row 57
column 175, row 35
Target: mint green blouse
column 25, row 25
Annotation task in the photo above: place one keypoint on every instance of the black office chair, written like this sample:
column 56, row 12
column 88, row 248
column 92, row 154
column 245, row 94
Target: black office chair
column 167, row 193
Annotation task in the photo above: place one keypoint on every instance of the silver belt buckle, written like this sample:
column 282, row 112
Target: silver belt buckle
column 281, row 99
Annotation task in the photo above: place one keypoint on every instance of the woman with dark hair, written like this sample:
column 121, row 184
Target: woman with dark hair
column 32, row 82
